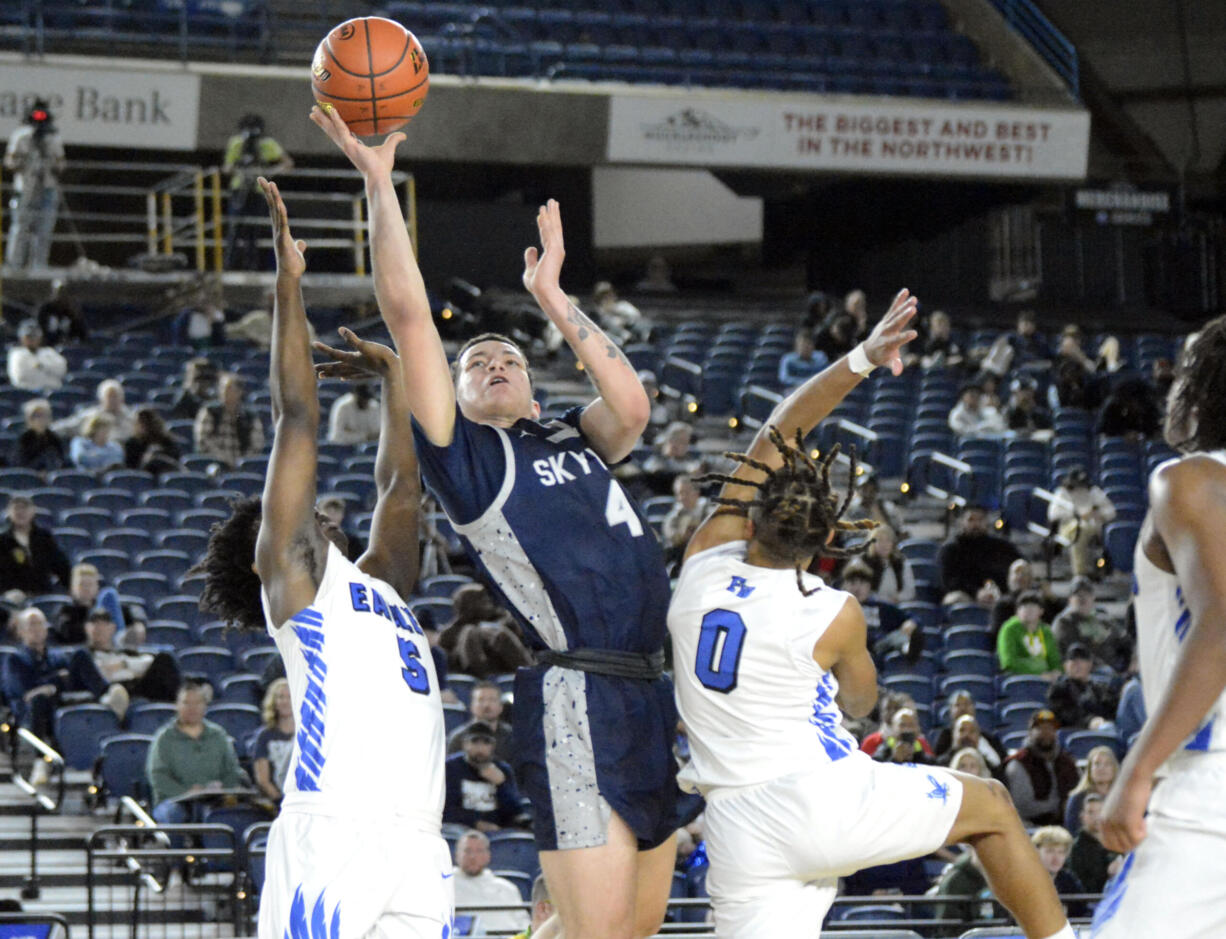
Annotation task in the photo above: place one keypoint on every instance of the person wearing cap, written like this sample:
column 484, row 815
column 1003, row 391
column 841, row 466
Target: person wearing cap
column 1041, row 774
column 1076, row 697
column 620, row 318
column 1082, row 621
column 354, row 417
column 250, row 153
column 33, row 366
column 31, row 562
column 803, row 362
column 1080, row 510
column 972, row 416
column 35, row 155
column 1025, row 644
column 1021, row 578
column 481, row 791
column 154, row 676
column 1023, row 413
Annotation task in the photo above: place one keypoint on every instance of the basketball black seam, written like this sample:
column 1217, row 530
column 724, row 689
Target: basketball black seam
column 370, row 64
column 349, row 71
column 399, row 94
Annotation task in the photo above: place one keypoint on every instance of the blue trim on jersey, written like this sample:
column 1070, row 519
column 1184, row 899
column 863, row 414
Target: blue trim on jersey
column 1113, row 896
column 1202, row 739
column 827, row 723
column 308, row 628
column 317, row 927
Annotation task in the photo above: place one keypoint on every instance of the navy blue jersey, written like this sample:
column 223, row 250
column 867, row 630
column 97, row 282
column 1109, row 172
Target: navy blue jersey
column 553, row 532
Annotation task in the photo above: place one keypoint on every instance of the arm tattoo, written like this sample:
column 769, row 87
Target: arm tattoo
column 580, row 319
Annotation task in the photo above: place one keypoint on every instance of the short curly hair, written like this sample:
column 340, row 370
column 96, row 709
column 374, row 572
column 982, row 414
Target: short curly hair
column 231, row 585
column 1200, row 390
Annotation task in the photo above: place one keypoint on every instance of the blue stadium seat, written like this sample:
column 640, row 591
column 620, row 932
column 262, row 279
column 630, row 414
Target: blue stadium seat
column 442, row 586
column 122, row 767
column 171, row 633
column 432, row 612
column 72, row 540
column 193, row 483
column 170, row 564
column 1013, row 717
column 240, row 720
column 522, row 881
column 202, row 518
column 80, row 729
column 128, row 540
column 462, row 685
column 968, row 637
column 256, row 660
column 455, row 716
column 173, row 500
column 109, row 561
column 918, row 686
column 515, row 850
column 147, row 585
column 1023, row 687
column 87, row 517
column 1079, row 743
column 981, row 687
column 19, row 479
column 113, row 500
column 971, row 662
column 212, row 662
column 967, row 614
column 242, row 688
column 146, row 518
column 1119, row 539
column 181, row 607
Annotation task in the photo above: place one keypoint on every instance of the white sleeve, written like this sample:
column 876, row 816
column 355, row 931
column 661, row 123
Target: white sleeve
column 1104, row 504
column 53, row 363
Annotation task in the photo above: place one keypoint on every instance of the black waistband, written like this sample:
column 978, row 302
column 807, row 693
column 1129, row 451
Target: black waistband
column 645, row 666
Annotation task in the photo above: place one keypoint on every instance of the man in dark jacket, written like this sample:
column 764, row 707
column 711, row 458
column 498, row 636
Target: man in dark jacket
column 1077, row 699
column 481, row 791
column 30, row 560
column 973, row 557
column 1041, row 774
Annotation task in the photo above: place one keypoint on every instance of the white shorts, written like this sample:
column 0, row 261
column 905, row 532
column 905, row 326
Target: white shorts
column 368, row 879
column 1174, row 883
column 778, row 849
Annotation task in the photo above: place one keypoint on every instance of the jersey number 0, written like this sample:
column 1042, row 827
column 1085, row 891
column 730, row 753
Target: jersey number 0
column 720, row 640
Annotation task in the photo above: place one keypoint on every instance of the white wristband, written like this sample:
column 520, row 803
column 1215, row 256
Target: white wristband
column 857, row 361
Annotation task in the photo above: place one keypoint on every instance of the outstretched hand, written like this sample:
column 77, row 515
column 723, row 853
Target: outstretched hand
column 884, row 344
column 289, row 252
column 368, row 160
column 543, row 269
column 367, row 359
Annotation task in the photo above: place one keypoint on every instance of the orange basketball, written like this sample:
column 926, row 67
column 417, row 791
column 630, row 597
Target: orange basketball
column 373, row 71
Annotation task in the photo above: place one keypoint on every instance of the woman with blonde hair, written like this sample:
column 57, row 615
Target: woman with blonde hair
column 94, row 449
column 274, row 744
column 1102, row 766
column 969, row 760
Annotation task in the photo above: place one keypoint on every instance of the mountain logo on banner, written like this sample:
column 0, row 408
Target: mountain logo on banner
column 695, row 129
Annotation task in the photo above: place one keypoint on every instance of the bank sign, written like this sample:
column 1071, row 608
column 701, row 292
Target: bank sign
column 898, row 138
column 105, row 107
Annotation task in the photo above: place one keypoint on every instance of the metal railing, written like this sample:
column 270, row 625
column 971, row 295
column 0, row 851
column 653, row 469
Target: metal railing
column 38, row 771
column 1029, row 22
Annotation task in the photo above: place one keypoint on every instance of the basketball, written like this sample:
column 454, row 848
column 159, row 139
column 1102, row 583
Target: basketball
column 373, row 71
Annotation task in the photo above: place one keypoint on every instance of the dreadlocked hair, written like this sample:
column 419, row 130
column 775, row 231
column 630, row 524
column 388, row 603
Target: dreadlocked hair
column 231, row 586
column 796, row 508
column 1201, row 379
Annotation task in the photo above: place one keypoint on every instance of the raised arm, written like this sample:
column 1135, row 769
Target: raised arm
column 399, row 288
column 288, row 528
column 616, row 419
column 393, row 552
column 804, row 409
column 1188, row 514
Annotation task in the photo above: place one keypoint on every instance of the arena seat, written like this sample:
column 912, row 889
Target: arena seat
column 80, row 729
column 121, row 767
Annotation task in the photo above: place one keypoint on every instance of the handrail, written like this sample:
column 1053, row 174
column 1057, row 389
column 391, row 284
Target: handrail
column 46, row 754
column 1029, row 22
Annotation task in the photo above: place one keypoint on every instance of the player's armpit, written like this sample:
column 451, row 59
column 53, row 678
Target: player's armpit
column 843, row 650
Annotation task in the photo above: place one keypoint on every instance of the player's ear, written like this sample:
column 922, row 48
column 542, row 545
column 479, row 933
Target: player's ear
column 536, row 410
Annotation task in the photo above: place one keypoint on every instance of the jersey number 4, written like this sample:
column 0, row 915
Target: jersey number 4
column 414, row 672
column 618, row 510
column 720, row 640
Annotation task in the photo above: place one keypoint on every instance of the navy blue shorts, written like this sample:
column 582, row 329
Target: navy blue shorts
column 586, row 744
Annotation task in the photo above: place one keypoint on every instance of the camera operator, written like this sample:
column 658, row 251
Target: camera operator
column 249, row 154
column 35, row 155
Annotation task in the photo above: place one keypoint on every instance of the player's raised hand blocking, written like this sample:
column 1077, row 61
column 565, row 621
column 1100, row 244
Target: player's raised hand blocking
column 289, row 252
column 884, row 344
column 367, row 359
column 366, row 159
column 543, row 269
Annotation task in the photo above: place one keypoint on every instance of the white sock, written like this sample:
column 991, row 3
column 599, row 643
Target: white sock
column 1065, row 933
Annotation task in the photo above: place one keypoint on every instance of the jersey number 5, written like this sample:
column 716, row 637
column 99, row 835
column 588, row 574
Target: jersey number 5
column 415, row 674
column 720, row 640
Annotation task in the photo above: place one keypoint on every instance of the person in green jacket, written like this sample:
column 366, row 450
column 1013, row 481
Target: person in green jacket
column 188, row 755
column 1025, row 644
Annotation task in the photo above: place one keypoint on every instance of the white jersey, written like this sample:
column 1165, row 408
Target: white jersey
column 755, row 704
column 1163, row 620
column 369, row 739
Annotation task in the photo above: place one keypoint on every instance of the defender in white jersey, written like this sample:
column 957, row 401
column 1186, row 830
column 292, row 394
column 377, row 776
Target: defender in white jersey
column 765, row 655
column 356, row 851
column 1173, row 883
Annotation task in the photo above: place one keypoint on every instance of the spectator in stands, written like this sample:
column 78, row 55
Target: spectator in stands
column 189, row 755
column 333, row 508
column 837, row 336
column 1102, row 766
column 904, row 738
column 228, row 431
column 661, row 413
column 477, row 885
column 1089, row 860
column 888, row 704
column 151, row 446
column 687, row 513
column 1025, row 644
column 199, row 388
column 803, row 362
column 969, row 760
column 818, row 306
column 1131, row 410
column 201, row 322
column 620, row 318
column 1081, row 621
column 35, row 157
column 86, row 595
column 110, row 402
column 974, row 417
column 966, row 734
column 60, row 317
column 1130, row 715
column 1041, row 774
column 542, row 906
column 1076, row 383
column 485, row 709
column 893, row 581
column 255, row 326
column 93, row 449
column 274, row 744
column 868, row 502
column 672, row 454
column 1077, row 697
column 39, row 447
column 481, row 791
column 1024, row 414
column 36, row 678
column 973, row 558
column 889, row 628
column 482, row 639
column 33, row 366
column 1053, row 843
column 962, row 704
column 1080, row 510
column 354, row 417
column 31, row 561
column 249, row 154
column 964, row 878
column 1029, row 345
column 658, row 277
column 154, row 676
column 1021, row 579
column 855, row 305
column 939, row 349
